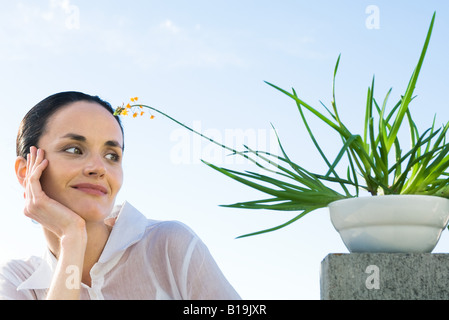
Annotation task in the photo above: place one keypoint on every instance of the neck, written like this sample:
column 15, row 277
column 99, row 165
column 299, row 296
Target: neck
column 97, row 236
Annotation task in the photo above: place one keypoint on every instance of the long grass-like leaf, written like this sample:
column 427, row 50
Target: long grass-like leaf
column 410, row 88
column 299, row 216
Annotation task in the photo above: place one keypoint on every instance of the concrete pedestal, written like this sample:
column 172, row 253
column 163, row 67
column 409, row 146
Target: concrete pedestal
column 385, row 276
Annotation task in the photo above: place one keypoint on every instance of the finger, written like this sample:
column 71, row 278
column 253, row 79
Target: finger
column 28, row 173
column 37, row 165
column 26, row 170
column 39, row 156
column 32, row 157
column 28, row 166
column 41, row 162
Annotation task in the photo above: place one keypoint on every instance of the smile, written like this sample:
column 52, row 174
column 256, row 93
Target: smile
column 92, row 189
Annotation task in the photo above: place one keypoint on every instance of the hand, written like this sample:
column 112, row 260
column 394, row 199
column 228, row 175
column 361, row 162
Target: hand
column 51, row 214
column 67, row 227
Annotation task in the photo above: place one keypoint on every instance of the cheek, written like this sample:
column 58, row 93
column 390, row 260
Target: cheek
column 55, row 177
column 49, row 184
column 117, row 179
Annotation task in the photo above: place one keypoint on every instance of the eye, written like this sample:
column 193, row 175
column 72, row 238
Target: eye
column 113, row 157
column 73, row 150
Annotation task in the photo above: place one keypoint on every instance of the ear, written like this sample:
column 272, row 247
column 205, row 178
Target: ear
column 21, row 169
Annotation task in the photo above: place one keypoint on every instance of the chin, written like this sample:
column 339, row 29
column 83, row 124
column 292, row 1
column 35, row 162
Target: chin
column 91, row 210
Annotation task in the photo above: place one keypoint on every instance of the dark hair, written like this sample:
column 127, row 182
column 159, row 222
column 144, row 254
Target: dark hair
column 34, row 123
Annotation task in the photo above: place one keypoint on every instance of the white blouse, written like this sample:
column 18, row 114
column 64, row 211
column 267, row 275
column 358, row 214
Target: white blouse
column 143, row 259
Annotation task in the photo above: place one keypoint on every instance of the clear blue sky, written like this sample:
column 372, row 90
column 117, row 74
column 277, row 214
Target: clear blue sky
column 204, row 62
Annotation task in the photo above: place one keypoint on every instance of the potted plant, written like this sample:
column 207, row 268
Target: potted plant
column 408, row 207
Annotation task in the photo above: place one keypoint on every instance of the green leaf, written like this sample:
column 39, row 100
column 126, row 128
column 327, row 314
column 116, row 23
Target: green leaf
column 410, row 88
column 299, row 216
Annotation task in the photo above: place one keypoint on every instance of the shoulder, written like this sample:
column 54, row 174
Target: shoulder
column 19, row 269
column 169, row 226
column 12, row 274
column 170, row 231
column 129, row 219
column 167, row 239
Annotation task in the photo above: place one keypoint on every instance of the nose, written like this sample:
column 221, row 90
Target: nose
column 95, row 167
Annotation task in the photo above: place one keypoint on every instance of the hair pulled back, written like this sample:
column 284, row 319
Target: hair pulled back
column 34, row 123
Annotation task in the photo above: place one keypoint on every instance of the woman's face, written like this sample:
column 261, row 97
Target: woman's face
column 83, row 144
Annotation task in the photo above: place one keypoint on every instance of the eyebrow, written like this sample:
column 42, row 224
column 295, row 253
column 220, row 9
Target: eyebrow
column 77, row 137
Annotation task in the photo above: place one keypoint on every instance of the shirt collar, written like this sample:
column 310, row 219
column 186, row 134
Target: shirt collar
column 42, row 276
column 129, row 228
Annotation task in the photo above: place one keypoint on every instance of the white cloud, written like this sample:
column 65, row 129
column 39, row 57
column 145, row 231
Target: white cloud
column 170, row 26
column 172, row 46
column 34, row 32
column 31, row 29
column 60, row 13
column 72, row 12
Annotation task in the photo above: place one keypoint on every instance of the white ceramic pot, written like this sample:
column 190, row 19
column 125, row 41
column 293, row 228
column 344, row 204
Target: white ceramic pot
column 392, row 223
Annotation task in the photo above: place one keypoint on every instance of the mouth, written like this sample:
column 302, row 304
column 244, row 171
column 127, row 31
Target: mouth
column 92, row 189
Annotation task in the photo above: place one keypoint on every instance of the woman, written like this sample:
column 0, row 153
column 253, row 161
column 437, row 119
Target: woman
column 69, row 162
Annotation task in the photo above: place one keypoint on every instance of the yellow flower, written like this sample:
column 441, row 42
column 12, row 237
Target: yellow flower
column 131, row 108
column 118, row 111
